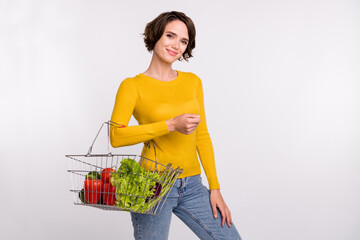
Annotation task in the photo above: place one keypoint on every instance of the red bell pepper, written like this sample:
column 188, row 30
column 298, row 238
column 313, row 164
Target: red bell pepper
column 109, row 194
column 106, row 174
column 92, row 189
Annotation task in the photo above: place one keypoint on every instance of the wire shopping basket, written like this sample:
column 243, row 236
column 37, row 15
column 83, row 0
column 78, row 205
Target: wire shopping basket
column 123, row 182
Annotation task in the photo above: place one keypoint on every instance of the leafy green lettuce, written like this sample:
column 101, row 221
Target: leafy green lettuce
column 134, row 186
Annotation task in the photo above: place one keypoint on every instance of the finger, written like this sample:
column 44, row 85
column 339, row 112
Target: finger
column 228, row 220
column 193, row 127
column 223, row 214
column 214, row 210
column 190, row 130
column 231, row 221
column 193, row 120
column 192, row 116
column 230, row 217
column 223, row 220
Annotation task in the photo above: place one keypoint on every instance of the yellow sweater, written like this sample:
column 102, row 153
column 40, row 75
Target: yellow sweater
column 152, row 102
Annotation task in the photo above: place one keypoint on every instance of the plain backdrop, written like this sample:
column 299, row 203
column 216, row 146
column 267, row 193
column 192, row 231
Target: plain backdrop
column 282, row 98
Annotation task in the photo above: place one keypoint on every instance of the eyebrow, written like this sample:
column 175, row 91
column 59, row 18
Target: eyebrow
column 176, row 35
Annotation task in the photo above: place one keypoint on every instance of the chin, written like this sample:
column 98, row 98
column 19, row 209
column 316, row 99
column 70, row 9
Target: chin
column 169, row 60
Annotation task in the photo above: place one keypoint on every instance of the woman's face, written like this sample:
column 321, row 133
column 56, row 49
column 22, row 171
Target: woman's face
column 173, row 42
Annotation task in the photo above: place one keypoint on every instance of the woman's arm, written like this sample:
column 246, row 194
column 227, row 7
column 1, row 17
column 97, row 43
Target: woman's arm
column 203, row 143
column 123, row 109
column 206, row 153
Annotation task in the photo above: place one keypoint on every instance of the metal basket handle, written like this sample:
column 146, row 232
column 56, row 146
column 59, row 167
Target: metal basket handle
column 147, row 144
column 108, row 132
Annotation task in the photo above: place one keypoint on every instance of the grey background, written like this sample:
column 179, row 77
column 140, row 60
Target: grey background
column 282, row 98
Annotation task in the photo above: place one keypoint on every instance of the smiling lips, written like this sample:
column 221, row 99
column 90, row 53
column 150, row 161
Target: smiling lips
column 172, row 53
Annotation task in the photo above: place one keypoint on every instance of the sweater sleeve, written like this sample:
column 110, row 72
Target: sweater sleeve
column 203, row 143
column 123, row 109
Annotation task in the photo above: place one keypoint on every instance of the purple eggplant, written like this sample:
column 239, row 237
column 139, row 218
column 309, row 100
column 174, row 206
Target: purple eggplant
column 157, row 190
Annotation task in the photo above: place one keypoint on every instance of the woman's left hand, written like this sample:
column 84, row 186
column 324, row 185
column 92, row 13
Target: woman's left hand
column 217, row 201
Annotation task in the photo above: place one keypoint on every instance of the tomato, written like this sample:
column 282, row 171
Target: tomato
column 109, row 194
column 106, row 174
column 92, row 189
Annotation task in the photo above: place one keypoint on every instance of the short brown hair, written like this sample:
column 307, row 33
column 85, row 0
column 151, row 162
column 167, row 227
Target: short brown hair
column 155, row 29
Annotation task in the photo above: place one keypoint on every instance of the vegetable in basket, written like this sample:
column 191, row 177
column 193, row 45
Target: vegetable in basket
column 82, row 196
column 106, row 174
column 93, row 175
column 157, row 190
column 92, row 190
column 133, row 185
column 108, row 195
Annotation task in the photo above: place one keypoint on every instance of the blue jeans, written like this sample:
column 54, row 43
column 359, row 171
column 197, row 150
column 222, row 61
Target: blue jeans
column 189, row 200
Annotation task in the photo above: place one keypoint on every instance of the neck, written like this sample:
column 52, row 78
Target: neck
column 161, row 70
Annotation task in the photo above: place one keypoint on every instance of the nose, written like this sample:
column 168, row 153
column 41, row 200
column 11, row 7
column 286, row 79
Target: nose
column 175, row 45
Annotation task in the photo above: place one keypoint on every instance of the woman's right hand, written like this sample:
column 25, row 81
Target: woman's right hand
column 185, row 123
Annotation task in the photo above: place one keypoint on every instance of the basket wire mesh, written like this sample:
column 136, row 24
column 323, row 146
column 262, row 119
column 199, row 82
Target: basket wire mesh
column 120, row 182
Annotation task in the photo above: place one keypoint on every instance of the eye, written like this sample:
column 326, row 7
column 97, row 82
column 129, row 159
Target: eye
column 169, row 35
column 184, row 42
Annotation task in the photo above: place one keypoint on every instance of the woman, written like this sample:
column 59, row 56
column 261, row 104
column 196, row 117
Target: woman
column 169, row 106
